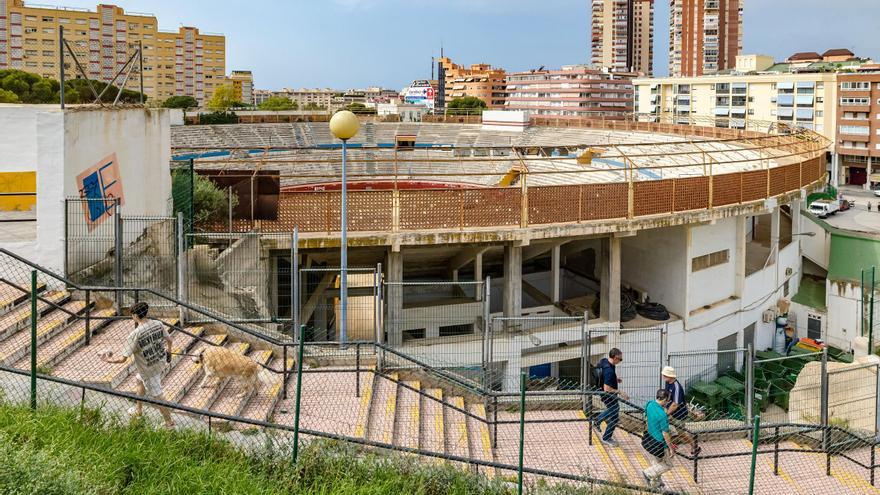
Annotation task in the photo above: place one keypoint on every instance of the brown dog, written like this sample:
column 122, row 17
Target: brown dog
column 220, row 363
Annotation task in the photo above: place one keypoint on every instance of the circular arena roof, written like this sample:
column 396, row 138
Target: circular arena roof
column 459, row 177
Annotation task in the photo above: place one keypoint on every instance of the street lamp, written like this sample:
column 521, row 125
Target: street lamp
column 344, row 125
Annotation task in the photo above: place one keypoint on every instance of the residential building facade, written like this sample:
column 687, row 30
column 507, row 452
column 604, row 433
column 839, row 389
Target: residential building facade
column 479, row 80
column 705, row 36
column 858, row 126
column 572, row 92
column 622, row 35
column 242, row 82
column 184, row 62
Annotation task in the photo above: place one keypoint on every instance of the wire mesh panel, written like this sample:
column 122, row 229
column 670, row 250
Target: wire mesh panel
column 90, row 240
column 643, row 357
column 441, row 323
column 715, row 384
column 149, row 255
column 787, row 387
column 548, row 349
column 320, row 309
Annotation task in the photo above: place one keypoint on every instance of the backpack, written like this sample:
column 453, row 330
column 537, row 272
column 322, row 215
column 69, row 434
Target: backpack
column 596, row 376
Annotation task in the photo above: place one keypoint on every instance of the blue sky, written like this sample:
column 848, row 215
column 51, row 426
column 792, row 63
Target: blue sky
column 358, row 43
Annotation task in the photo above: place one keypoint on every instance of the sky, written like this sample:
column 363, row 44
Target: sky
column 360, row 43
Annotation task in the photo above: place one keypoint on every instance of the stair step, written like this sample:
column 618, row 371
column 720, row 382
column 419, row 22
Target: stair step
column 65, row 342
column 478, row 437
column 363, row 416
column 406, row 429
column 18, row 345
column 186, row 373
column 20, row 317
column 201, row 397
column 455, row 427
column 11, row 296
column 381, row 423
column 235, row 395
column 182, row 343
column 431, row 428
column 262, row 404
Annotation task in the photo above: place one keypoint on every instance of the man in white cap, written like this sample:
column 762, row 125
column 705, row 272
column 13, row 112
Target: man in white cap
column 677, row 407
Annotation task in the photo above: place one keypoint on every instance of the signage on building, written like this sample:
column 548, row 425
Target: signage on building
column 420, row 93
column 101, row 186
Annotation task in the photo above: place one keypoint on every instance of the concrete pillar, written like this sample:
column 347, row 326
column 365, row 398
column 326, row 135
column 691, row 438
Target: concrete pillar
column 512, row 373
column 609, row 259
column 868, row 171
column 795, row 207
column 512, row 280
column 555, row 274
column 739, row 254
column 836, row 171
column 394, row 298
column 774, row 234
column 478, row 275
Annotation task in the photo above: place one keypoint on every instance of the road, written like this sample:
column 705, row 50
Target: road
column 859, row 218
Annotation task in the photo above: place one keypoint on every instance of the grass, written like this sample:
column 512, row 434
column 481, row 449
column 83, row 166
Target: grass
column 72, row 452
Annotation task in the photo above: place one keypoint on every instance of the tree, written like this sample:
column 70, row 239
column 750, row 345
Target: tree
column 8, row 96
column 223, row 98
column 277, row 103
column 469, row 105
column 357, row 107
column 181, row 102
column 215, row 118
column 312, row 106
column 210, row 203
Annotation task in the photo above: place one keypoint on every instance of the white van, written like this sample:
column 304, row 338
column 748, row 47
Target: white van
column 823, row 208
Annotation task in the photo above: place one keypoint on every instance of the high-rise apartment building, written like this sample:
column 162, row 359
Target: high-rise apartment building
column 705, row 36
column 184, row 62
column 858, row 126
column 623, row 35
column 575, row 91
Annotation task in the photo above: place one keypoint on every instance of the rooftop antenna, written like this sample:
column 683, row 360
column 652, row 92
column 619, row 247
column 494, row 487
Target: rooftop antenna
column 432, row 68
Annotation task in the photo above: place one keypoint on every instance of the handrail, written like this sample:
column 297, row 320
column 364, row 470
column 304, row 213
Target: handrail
column 154, row 292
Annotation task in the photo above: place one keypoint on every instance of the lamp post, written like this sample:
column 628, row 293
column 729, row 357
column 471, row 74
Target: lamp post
column 344, row 125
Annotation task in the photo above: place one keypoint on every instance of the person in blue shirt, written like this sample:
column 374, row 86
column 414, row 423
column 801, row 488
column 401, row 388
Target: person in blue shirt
column 677, row 407
column 611, row 396
column 657, row 440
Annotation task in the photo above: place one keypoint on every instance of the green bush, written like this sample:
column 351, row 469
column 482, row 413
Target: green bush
column 216, row 118
column 211, row 204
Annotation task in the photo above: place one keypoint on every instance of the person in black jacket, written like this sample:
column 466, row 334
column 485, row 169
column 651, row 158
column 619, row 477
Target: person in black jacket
column 611, row 396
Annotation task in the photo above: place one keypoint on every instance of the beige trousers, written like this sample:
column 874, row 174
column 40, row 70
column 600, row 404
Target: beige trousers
column 659, row 466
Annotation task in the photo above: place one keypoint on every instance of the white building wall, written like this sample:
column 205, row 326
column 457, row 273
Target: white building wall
column 844, row 311
column 717, row 283
column 654, row 261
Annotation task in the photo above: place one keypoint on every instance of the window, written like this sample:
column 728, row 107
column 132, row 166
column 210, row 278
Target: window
column 751, row 111
column 29, row 30
column 452, row 330
column 855, row 86
column 855, row 101
column 47, row 18
column 855, row 130
column 31, row 18
column 710, row 260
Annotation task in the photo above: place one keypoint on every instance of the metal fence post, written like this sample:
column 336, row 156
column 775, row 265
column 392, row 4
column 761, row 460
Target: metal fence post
column 487, row 334
column 756, row 430
column 192, row 194
column 66, row 216
column 823, row 410
column 117, row 250
column 750, row 383
column 181, row 266
column 294, row 283
column 522, row 431
column 33, row 339
column 877, row 402
column 299, row 360
column 588, row 341
column 585, row 367
column 871, row 314
column 88, row 317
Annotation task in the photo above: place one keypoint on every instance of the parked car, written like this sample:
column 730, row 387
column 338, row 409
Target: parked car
column 877, row 192
column 845, row 205
column 824, row 208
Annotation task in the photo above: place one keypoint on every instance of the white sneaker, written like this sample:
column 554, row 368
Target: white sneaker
column 611, row 443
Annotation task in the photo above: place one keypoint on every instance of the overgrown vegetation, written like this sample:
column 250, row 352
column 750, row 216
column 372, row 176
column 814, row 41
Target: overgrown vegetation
column 469, row 105
column 72, row 452
column 278, row 103
column 215, row 118
column 181, row 102
column 210, row 203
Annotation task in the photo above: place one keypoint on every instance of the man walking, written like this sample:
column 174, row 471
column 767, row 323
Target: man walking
column 677, row 407
column 611, row 395
column 149, row 344
column 657, row 441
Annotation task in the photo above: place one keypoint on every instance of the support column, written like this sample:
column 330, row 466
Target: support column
column 836, row 171
column 512, row 280
column 555, row 274
column 774, row 235
column 868, row 171
column 478, row 275
column 609, row 258
column 394, row 301
column 739, row 254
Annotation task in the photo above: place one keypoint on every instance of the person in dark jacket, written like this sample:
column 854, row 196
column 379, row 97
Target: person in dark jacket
column 611, row 396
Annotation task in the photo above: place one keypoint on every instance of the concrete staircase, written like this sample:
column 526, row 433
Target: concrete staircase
column 406, row 408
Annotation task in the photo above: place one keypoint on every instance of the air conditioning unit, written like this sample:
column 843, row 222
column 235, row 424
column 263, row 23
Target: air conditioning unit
column 768, row 316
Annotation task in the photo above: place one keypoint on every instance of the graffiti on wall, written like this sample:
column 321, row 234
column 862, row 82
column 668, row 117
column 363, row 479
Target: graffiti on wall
column 101, row 186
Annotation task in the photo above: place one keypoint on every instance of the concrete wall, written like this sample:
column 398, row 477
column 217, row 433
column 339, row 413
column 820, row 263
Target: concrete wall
column 713, row 284
column 844, row 310
column 818, row 247
column 59, row 145
column 655, row 261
